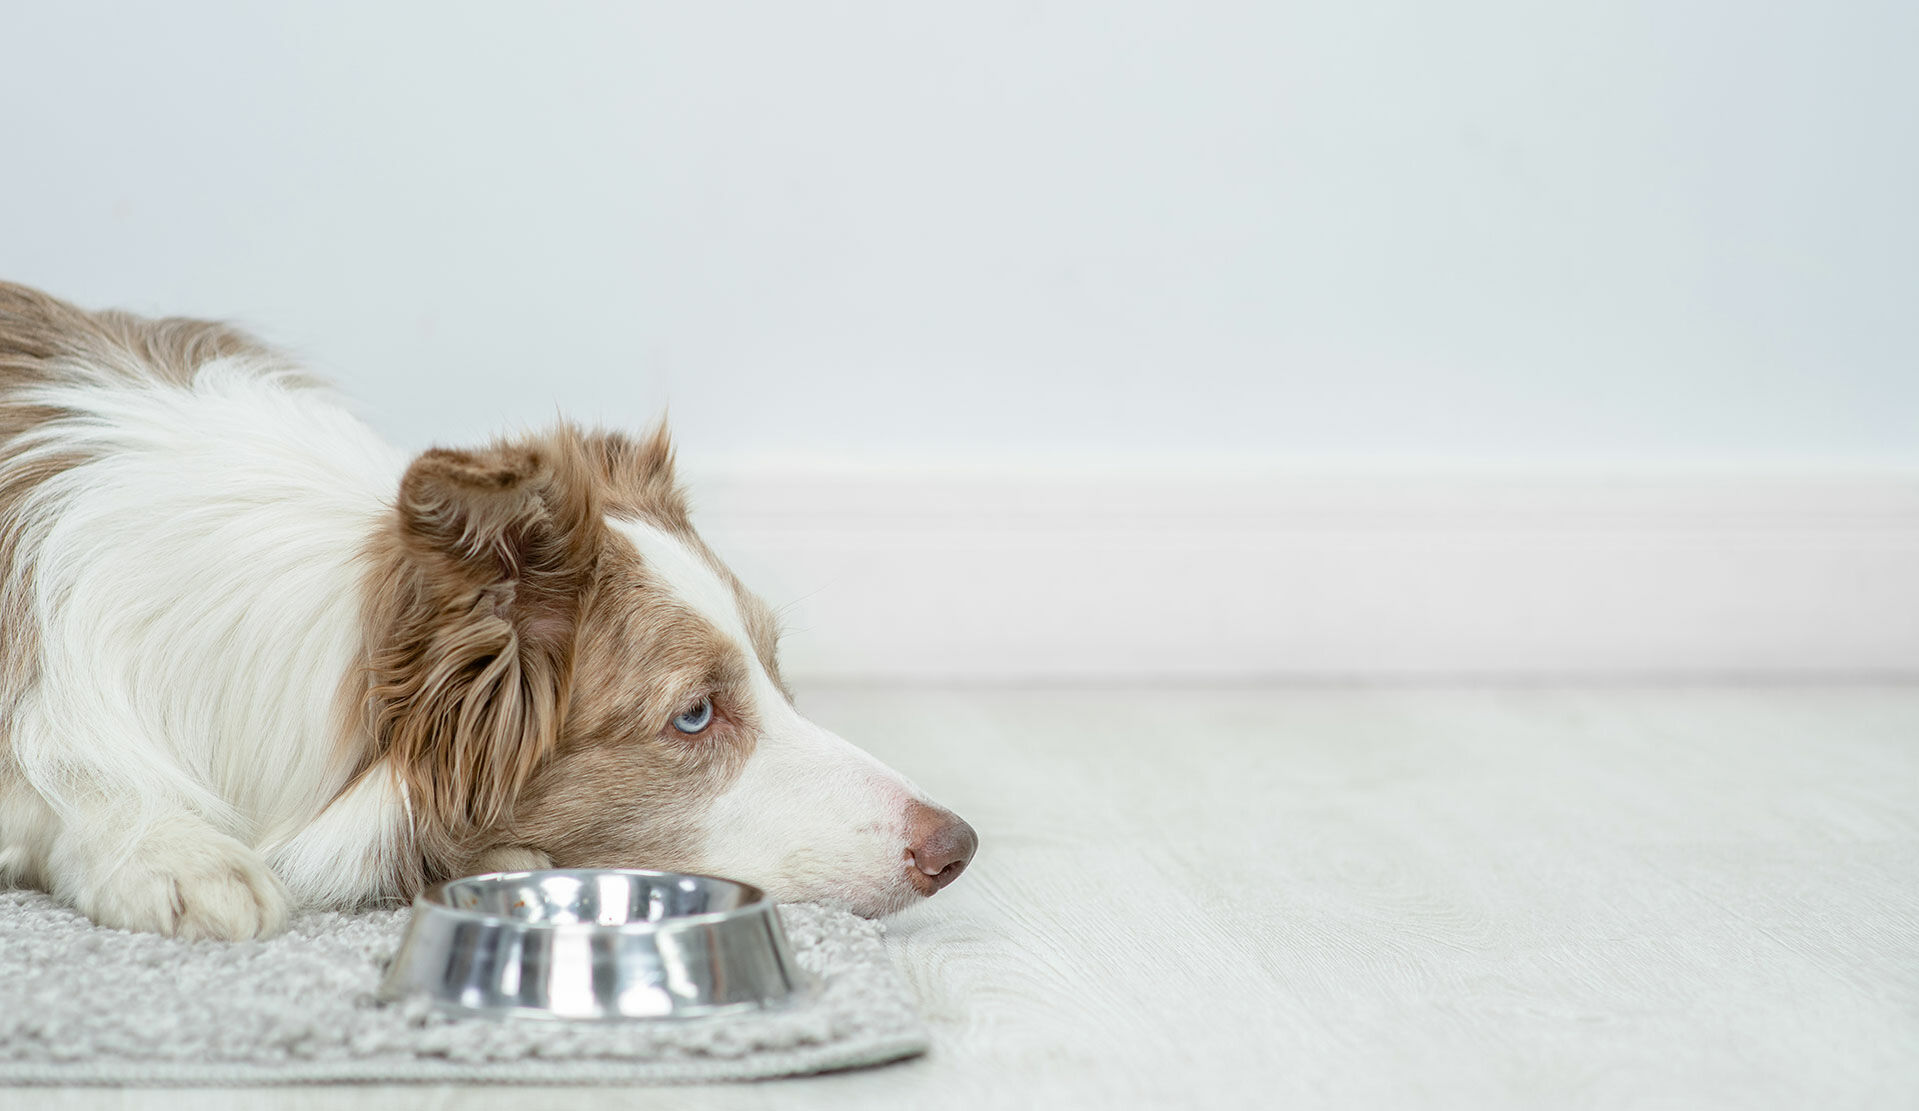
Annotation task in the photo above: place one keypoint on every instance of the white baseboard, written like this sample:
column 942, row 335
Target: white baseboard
column 1047, row 575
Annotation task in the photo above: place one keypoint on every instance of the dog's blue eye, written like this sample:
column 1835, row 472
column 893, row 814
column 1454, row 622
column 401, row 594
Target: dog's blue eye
column 695, row 719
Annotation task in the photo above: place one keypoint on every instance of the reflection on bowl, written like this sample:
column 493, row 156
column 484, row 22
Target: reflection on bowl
column 595, row 944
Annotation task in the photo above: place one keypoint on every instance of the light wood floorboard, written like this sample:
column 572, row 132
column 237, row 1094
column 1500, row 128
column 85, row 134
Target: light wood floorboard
column 1377, row 896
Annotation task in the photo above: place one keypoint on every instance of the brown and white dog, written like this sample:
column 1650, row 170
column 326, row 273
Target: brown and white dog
column 253, row 659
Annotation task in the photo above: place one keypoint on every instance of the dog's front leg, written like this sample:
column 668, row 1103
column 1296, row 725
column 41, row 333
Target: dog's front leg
column 171, row 874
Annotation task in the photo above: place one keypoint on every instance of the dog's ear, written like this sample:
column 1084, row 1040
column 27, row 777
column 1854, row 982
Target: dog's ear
column 639, row 474
column 491, row 554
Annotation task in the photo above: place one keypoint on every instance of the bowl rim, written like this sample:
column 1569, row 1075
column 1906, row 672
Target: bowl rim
column 432, row 899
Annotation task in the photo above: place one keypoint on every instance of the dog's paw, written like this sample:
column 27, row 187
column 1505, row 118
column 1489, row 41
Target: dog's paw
column 191, row 884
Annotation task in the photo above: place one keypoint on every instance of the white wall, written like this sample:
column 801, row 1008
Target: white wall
column 1375, row 232
column 1224, row 246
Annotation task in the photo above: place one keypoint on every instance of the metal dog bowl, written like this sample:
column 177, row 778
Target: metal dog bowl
column 595, row 944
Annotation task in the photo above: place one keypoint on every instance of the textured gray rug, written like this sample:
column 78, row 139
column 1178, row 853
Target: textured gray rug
column 84, row 1005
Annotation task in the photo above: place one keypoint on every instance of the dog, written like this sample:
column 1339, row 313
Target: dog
column 253, row 659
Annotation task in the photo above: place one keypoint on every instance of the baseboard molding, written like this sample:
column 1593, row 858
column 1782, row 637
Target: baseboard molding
column 1037, row 574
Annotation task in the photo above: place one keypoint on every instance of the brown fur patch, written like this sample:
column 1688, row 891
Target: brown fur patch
column 762, row 624
column 641, row 484
column 625, row 789
column 477, row 589
column 525, row 665
column 42, row 337
column 638, row 477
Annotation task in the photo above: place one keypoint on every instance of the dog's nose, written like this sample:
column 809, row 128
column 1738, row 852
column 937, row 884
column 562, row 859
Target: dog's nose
column 938, row 846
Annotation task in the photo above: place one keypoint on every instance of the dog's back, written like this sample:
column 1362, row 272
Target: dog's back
column 43, row 337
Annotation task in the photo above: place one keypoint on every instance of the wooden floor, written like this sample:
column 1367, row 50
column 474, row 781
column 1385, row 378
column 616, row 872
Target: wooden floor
column 1378, row 897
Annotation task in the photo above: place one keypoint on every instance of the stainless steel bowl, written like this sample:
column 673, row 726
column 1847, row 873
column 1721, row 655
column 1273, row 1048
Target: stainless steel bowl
column 595, row 944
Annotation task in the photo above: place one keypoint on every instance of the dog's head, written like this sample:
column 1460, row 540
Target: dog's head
column 559, row 664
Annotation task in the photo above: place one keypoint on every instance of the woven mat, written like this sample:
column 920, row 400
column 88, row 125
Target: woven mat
column 80, row 1004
